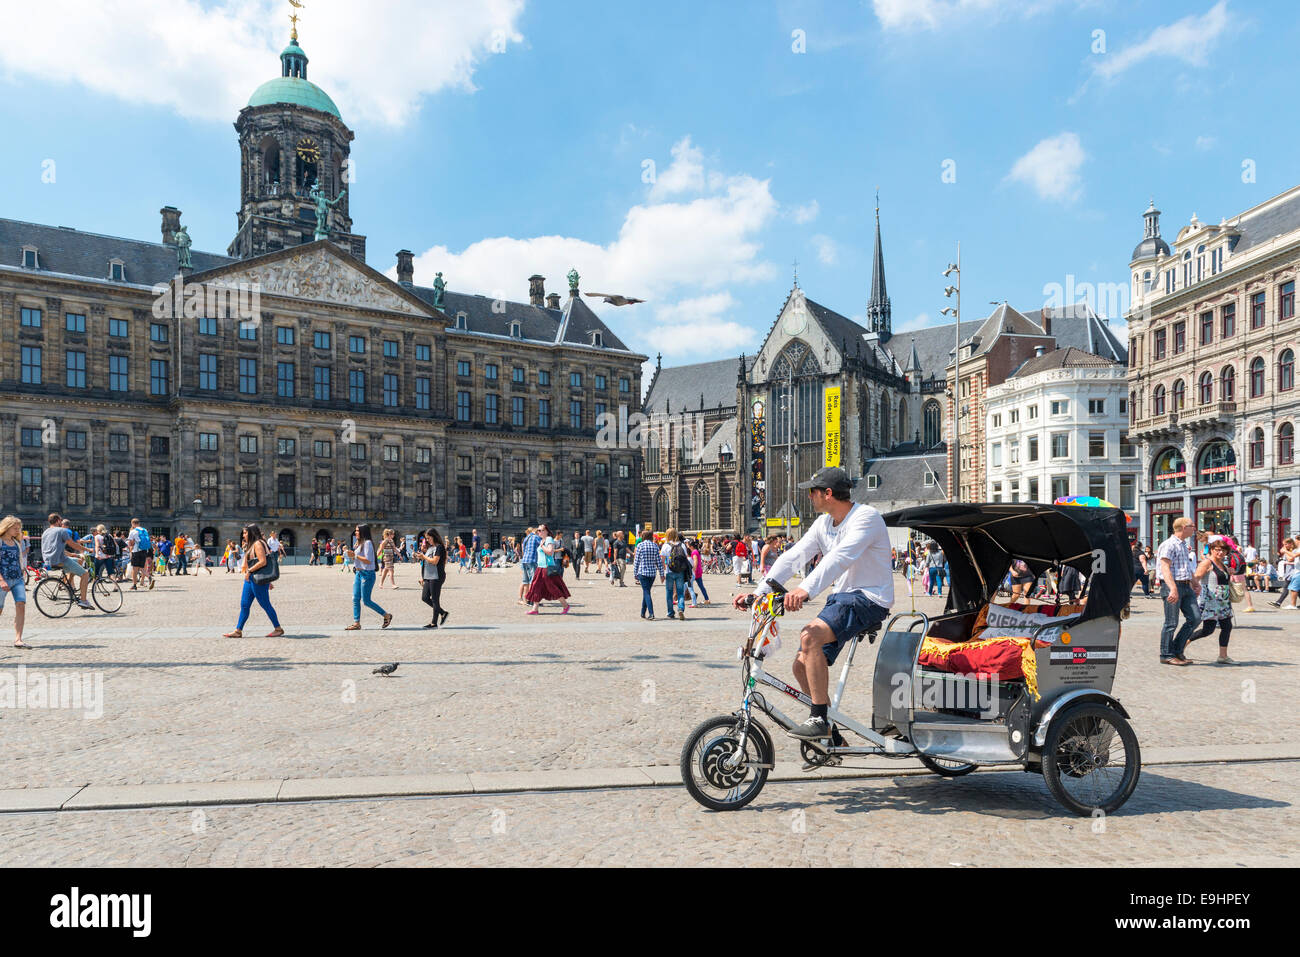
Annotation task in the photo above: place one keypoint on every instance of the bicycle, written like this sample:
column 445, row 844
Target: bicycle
column 55, row 595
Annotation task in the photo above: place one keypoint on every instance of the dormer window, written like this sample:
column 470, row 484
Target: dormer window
column 597, row 339
column 31, row 258
column 515, row 332
column 462, row 321
column 117, row 270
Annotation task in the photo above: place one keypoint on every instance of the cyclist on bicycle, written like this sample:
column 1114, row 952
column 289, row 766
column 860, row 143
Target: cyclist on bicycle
column 58, row 544
column 854, row 545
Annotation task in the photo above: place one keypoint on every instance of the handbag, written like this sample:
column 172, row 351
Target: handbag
column 1236, row 591
column 268, row 572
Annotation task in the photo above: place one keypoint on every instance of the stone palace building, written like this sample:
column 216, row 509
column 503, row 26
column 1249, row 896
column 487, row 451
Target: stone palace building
column 1212, row 342
column 289, row 383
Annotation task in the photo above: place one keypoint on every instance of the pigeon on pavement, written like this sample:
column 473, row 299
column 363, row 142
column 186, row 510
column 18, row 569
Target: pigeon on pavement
column 386, row 670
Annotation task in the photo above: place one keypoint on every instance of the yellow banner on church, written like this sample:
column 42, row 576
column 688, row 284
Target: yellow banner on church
column 833, row 426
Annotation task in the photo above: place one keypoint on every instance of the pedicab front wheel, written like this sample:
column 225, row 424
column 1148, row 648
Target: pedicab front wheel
column 946, row 767
column 717, row 772
column 1091, row 760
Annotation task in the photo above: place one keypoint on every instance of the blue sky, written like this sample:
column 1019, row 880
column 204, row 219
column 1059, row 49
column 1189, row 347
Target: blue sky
column 502, row 138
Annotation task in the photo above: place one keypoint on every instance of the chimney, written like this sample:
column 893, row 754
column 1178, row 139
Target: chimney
column 171, row 222
column 536, row 289
column 1039, row 351
column 553, row 301
column 1047, row 321
column 405, row 268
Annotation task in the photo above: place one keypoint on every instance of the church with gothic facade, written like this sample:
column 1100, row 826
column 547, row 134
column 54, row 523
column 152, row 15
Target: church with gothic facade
column 345, row 397
column 825, row 389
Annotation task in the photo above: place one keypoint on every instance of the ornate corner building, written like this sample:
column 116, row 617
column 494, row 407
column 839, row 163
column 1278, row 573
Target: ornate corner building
column 1212, row 345
column 289, row 383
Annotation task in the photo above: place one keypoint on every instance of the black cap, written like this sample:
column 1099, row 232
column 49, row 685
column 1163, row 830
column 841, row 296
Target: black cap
column 832, row 477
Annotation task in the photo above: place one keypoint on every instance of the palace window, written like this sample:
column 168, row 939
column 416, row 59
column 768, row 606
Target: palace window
column 321, row 383
column 321, row 340
column 422, row 392
column 1207, row 328
column 357, row 386
column 1227, row 384
column 1158, row 400
column 1205, row 388
column 208, row 371
column 284, row 335
column 284, row 379
column 30, row 318
column 1180, row 395
column 390, row 390
column 1257, row 311
column 160, row 379
column 74, row 322
column 1286, row 444
column 1286, row 300
column 75, row 369
column 76, row 489
column 1257, row 377
column 1286, row 371
column 462, row 406
column 248, row 376
column 1180, row 337
column 31, row 365
column 1257, row 449
column 1228, row 320
column 543, row 413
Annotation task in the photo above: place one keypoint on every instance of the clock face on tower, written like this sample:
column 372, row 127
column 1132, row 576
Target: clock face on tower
column 308, row 151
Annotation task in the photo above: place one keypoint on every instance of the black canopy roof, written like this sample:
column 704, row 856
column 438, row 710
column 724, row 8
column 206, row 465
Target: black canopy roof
column 1092, row 540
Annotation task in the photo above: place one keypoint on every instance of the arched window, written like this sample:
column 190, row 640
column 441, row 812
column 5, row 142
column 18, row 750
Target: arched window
column 700, row 507
column 1257, row 377
column 884, row 420
column 652, row 451
column 1227, row 384
column 1158, row 400
column 1169, row 471
column 1286, row 444
column 208, row 538
column 287, row 541
column 1283, row 518
column 1257, row 449
column 1252, row 522
column 1200, row 263
column 1205, row 388
column 1146, row 279
column 1216, row 464
column 271, row 166
column 661, row 510
column 1180, row 395
column 1286, row 371
column 902, row 420
column 932, row 415
column 1132, row 408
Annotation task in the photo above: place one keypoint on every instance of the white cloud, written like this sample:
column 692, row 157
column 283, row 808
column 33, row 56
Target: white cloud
column 680, row 255
column 919, row 321
column 1204, row 143
column 698, row 324
column 204, row 59
column 1189, row 39
column 932, row 14
column 685, row 174
column 1052, row 167
column 805, row 213
column 827, row 252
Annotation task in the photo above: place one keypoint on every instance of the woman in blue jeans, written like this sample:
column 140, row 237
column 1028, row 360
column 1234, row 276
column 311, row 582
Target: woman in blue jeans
column 255, row 558
column 363, row 556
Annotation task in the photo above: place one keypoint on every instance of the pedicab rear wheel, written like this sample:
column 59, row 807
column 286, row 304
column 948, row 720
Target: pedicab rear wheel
column 706, row 763
column 1091, row 759
column 946, row 767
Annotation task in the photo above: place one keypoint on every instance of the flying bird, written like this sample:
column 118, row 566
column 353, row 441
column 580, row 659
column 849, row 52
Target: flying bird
column 612, row 299
column 386, row 670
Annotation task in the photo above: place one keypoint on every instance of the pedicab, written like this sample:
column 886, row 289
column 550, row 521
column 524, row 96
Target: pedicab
column 983, row 684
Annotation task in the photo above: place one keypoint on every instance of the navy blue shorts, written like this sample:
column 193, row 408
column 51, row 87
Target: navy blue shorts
column 848, row 613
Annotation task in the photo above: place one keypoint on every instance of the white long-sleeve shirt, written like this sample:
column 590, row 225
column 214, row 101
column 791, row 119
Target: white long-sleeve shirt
column 855, row 557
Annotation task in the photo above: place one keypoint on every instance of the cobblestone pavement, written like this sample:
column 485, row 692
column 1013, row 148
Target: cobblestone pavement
column 1201, row 815
column 492, row 691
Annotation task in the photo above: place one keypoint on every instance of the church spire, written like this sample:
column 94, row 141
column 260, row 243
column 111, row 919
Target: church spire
column 878, row 311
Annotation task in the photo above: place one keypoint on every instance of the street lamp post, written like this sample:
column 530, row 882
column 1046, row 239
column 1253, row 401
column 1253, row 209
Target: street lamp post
column 198, row 521
column 955, row 312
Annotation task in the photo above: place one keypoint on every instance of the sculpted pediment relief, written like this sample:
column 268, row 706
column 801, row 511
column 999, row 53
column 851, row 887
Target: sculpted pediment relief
column 317, row 275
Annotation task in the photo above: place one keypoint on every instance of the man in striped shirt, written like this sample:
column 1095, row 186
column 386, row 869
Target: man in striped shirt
column 1179, row 590
column 646, row 566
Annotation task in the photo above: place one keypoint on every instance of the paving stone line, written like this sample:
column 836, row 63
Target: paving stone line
column 92, row 797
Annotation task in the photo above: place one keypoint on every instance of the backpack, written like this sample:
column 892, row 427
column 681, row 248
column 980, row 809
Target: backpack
column 109, row 546
column 678, row 562
column 142, row 539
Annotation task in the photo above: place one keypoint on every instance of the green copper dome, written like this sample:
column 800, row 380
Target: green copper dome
column 294, row 91
column 292, row 86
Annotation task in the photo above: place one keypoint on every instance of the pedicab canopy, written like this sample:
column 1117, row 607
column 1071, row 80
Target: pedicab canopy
column 980, row 541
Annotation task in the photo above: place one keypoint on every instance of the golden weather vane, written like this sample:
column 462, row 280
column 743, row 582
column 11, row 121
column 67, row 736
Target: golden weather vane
column 293, row 18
